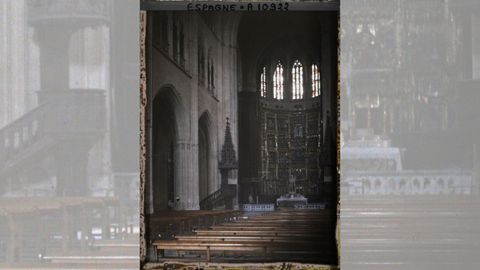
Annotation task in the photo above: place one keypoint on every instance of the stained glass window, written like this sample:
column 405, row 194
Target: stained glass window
column 297, row 80
column 278, row 82
column 316, row 86
column 263, row 82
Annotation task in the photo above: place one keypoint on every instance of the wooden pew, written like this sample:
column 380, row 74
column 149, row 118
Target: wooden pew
column 266, row 228
column 238, row 246
column 272, row 238
column 301, row 233
column 253, row 232
column 169, row 223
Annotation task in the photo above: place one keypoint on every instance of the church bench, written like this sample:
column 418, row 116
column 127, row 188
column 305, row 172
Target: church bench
column 272, row 225
column 236, row 246
column 205, row 246
column 309, row 231
column 285, row 225
column 186, row 214
column 292, row 217
column 274, row 215
column 273, row 238
column 289, row 216
column 254, row 233
column 302, row 232
column 283, row 222
column 168, row 223
column 297, row 212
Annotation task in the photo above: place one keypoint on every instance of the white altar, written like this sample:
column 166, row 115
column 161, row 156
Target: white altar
column 291, row 199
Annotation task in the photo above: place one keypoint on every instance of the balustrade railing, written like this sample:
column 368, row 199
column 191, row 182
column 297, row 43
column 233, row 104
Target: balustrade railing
column 65, row 115
column 217, row 198
column 21, row 133
column 212, row 200
column 265, row 207
column 409, row 182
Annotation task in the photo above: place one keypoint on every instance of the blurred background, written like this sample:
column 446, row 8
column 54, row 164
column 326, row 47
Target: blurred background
column 410, row 79
column 69, row 133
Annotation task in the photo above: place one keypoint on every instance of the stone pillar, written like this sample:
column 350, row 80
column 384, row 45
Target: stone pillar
column 185, row 185
column 466, row 22
column 54, row 58
column 249, row 140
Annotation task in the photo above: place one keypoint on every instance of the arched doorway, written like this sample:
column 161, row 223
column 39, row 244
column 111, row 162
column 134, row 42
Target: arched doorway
column 164, row 133
column 204, row 150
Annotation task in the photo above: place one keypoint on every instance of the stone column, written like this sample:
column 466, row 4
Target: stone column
column 185, row 185
column 467, row 59
column 54, row 58
column 249, row 140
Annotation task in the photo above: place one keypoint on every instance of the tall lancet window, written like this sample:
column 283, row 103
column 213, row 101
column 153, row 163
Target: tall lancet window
column 182, row 46
column 316, row 86
column 201, row 63
column 175, row 41
column 297, row 80
column 278, row 82
column 263, row 82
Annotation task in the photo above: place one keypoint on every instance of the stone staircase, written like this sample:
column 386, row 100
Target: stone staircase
column 217, row 200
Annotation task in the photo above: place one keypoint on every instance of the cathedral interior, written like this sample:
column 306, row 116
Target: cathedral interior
column 241, row 128
column 410, row 174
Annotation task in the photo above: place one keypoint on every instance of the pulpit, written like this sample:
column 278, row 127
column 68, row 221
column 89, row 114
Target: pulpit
column 228, row 166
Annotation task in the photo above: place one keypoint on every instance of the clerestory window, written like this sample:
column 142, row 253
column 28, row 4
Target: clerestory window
column 297, row 80
column 278, row 82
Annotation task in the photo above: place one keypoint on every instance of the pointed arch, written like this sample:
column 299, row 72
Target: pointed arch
column 167, row 120
column 205, row 155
